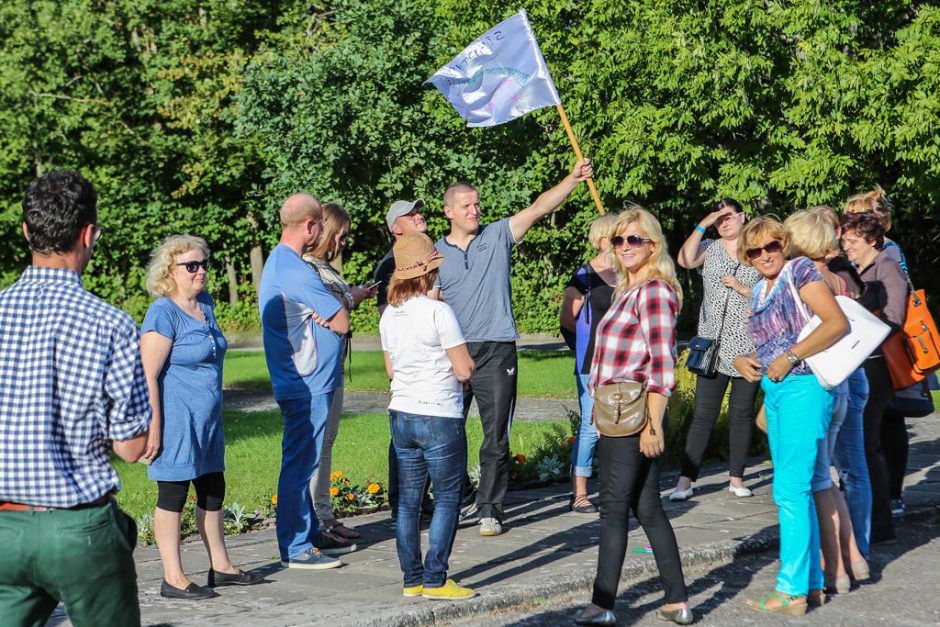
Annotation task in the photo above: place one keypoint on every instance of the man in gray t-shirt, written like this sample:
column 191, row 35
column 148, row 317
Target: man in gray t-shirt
column 475, row 282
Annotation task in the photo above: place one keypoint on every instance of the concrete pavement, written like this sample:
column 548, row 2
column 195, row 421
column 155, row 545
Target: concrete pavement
column 546, row 553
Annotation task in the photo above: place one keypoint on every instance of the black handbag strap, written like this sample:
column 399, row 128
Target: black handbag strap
column 724, row 309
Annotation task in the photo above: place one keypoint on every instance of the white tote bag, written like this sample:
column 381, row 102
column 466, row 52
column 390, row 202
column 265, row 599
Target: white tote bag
column 866, row 333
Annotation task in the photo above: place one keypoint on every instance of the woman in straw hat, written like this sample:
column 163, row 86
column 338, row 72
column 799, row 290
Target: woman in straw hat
column 427, row 360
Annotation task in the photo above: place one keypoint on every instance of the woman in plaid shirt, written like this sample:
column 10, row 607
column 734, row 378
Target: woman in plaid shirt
column 636, row 342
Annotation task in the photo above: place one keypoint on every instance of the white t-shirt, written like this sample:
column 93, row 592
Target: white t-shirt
column 415, row 336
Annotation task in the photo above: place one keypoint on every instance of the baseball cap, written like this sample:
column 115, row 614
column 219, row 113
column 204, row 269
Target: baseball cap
column 400, row 208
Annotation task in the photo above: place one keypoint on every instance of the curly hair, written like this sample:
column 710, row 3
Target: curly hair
column 660, row 263
column 874, row 201
column 759, row 229
column 866, row 225
column 56, row 207
column 163, row 259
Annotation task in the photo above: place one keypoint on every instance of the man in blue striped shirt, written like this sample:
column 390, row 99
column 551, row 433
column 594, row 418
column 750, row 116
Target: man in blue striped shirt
column 72, row 390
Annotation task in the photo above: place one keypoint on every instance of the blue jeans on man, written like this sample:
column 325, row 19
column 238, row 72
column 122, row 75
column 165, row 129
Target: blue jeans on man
column 435, row 446
column 305, row 422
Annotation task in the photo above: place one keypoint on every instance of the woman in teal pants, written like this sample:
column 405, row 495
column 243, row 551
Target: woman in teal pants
column 798, row 408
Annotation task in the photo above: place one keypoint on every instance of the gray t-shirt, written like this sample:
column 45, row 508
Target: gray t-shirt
column 476, row 283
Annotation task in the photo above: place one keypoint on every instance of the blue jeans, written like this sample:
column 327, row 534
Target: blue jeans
column 582, row 453
column 305, row 422
column 849, row 460
column 798, row 414
column 822, row 478
column 435, row 446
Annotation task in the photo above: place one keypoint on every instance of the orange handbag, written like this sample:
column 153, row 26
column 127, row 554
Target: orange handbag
column 913, row 352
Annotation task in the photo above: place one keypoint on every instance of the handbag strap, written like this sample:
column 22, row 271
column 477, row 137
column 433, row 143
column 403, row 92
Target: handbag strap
column 797, row 298
column 724, row 310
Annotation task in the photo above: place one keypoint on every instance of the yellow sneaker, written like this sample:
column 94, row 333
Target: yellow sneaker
column 413, row 591
column 451, row 590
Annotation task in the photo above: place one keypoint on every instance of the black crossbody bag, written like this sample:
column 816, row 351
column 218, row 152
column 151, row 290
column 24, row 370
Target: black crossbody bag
column 703, row 351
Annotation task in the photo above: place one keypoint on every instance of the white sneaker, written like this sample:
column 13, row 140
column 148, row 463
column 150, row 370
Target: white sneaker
column 742, row 491
column 681, row 495
column 312, row 560
column 490, row 527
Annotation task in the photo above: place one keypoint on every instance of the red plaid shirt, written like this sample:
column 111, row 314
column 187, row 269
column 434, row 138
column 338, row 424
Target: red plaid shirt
column 636, row 339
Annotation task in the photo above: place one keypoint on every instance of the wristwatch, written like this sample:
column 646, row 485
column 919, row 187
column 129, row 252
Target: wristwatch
column 792, row 358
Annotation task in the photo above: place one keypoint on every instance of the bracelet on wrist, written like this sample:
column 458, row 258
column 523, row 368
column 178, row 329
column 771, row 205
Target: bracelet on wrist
column 700, row 229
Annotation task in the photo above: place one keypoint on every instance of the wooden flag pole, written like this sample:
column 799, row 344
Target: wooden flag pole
column 577, row 153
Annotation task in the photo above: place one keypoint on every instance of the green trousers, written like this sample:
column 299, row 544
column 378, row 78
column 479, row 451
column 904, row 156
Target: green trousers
column 83, row 558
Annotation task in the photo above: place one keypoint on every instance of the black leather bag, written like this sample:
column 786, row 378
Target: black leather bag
column 703, row 356
column 703, row 351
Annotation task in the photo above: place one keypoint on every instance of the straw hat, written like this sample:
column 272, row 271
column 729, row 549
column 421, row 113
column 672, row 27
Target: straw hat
column 415, row 255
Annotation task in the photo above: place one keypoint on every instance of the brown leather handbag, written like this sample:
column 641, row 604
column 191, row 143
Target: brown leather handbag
column 620, row 409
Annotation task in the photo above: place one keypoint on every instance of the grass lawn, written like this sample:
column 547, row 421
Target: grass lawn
column 253, row 456
column 541, row 373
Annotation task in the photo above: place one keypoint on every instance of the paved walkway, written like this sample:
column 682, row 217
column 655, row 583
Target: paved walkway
column 546, row 551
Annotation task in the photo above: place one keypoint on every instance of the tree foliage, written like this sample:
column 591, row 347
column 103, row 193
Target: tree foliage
column 200, row 116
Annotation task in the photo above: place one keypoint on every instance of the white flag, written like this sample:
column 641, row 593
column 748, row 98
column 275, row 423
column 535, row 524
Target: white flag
column 499, row 77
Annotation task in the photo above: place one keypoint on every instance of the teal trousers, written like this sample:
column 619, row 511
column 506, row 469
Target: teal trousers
column 798, row 414
column 82, row 558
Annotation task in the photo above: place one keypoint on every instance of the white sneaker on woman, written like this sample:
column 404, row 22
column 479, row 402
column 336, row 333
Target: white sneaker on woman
column 681, row 495
column 741, row 492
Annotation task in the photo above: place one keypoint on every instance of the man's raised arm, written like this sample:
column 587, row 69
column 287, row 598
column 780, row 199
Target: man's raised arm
column 549, row 200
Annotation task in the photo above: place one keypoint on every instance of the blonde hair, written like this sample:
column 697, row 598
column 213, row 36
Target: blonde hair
column 829, row 214
column 601, row 228
column 874, row 201
column 334, row 217
column 163, row 262
column 757, row 230
column 660, row 263
column 811, row 234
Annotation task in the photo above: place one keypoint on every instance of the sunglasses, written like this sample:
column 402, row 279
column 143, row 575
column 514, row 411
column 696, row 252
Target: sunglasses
column 192, row 267
column 633, row 241
column 771, row 247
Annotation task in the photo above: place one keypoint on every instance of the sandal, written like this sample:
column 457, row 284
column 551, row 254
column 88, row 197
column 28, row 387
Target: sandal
column 787, row 604
column 581, row 505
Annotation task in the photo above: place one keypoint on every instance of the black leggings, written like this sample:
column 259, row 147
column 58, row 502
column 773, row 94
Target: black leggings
column 880, row 394
column 709, row 393
column 629, row 480
column 210, row 491
column 894, row 445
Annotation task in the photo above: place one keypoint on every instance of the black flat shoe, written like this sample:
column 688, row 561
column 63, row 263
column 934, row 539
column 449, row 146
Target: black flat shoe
column 192, row 592
column 582, row 505
column 241, row 578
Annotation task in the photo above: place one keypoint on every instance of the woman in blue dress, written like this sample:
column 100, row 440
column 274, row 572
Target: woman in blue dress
column 182, row 350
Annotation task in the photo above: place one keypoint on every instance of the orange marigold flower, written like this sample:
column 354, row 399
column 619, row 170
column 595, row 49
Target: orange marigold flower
column 274, row 500
column 350, row 497
column 374, row 488
column 521, row 458
column 571, row 439
column 334, row 491
column 338, row 473
column 562, row 444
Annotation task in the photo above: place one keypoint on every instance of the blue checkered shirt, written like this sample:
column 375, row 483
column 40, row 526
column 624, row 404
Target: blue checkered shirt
column 71, row 381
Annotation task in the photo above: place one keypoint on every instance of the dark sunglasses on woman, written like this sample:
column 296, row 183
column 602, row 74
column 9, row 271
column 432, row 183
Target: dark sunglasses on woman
column 192, row 267
column 633, row 241
column 771, row 247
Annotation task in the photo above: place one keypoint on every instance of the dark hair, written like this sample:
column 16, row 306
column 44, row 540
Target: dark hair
column 56, row 207
column 400, row 290
column 729, row 202
column 866, row 225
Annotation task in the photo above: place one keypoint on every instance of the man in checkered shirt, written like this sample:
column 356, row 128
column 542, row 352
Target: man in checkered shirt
column 72, row 390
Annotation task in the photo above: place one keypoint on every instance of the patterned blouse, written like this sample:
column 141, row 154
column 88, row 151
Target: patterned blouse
column 636, row 339
column 775, row 320
column 734, row 339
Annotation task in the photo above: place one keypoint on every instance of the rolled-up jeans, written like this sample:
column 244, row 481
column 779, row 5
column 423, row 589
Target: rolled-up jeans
column 435, row 446
column 849, row 460
column 582, row 454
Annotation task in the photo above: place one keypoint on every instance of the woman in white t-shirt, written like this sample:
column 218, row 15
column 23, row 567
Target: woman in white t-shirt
column 427, row 360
